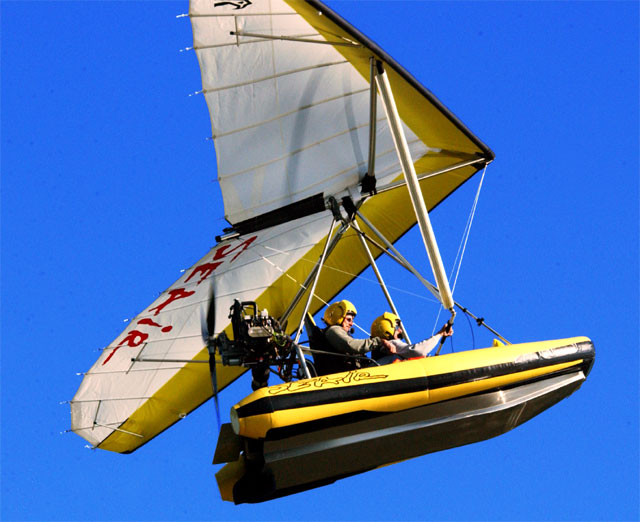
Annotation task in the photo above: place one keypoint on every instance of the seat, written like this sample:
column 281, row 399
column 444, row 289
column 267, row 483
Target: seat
column 329, row 361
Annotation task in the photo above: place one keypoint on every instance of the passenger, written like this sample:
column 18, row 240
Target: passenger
column 389, row 328
column 339, row 319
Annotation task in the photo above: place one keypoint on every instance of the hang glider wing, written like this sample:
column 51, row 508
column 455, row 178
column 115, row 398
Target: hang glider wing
column 287, row 86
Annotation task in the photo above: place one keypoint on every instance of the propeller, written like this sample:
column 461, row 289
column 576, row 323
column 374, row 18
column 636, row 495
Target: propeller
column 208, row 330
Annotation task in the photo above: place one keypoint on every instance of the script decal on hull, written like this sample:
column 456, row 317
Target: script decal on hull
column 326, row 381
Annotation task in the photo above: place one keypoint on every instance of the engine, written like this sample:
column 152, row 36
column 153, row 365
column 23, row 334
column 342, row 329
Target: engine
column 259, row 342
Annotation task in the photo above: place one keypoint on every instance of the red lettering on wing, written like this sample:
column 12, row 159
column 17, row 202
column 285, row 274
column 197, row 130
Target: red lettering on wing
column 151, row 322
column 134, row 338
column 205, row 270
column 174, row 295
column 226, row 249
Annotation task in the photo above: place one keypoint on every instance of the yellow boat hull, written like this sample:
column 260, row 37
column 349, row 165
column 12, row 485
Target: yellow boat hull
column 296, row 436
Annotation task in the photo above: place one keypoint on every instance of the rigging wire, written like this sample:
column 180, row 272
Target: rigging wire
column 467, row 231
column 463, row 245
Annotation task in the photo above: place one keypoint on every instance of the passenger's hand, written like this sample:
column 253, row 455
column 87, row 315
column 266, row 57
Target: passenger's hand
column 389, row 346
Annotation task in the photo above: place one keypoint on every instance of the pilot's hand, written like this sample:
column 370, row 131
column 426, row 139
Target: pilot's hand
column 446, row 330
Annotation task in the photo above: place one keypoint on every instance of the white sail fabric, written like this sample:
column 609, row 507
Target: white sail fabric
column 290, row 119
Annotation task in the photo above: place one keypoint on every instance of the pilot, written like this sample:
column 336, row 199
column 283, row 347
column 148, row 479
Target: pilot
column 339, row 318
column 389, row 328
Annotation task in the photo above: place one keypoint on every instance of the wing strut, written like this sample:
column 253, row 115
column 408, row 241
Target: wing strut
column 379, row 276
column 312, row 274
column 301, row 359
column 399, row 258
column 417, row 200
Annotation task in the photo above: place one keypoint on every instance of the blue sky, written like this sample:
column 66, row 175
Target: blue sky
column 107, row 192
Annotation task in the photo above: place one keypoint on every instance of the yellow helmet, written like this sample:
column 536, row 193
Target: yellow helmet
column 384, row 326
column 336, row 312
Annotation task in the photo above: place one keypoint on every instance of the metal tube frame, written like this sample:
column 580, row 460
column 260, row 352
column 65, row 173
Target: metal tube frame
column 304, row 285
column 399, row 258
column 301, row 360
column 462, row 164
column 187, row 361
column 379, row 276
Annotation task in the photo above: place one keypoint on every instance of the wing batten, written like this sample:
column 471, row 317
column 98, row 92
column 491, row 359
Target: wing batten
column 273, row 77
column 292, row 112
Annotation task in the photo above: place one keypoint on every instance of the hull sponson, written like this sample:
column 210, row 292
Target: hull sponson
column 306, row 405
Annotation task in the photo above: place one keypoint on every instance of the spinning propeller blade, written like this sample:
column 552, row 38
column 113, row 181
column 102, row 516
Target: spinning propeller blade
column 208, row 330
